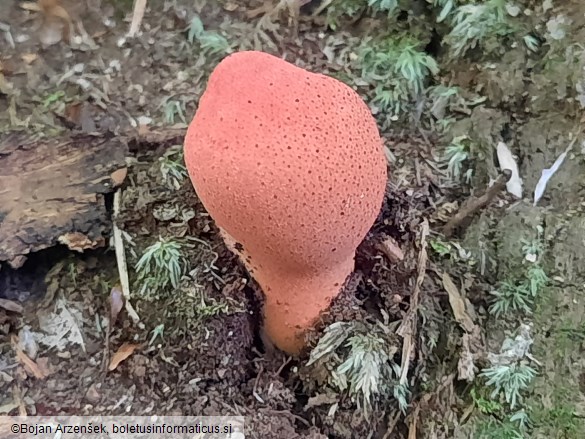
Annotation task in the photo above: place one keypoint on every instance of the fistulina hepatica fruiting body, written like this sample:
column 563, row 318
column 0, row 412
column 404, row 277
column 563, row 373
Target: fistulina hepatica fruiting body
column 290, row 166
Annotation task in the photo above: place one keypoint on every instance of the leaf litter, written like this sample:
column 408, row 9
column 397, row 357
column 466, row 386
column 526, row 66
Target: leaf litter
column 61, row 326
column 150, row 64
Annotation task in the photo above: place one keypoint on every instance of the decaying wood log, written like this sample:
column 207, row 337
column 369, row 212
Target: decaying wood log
column 53, row 191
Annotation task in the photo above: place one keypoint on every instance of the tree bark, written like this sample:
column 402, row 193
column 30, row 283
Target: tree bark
column 53, row 191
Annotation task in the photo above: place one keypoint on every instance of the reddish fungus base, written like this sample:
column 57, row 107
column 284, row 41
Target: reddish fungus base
column 293, row 304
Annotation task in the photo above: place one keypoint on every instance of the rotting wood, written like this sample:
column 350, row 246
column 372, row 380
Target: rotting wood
column 53, row 191
column 472, row 205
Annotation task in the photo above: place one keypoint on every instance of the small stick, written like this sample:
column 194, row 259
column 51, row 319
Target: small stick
column 121, row 260
column 137, row 16
column 407, row 328
column 473, row 204
column 413, row 423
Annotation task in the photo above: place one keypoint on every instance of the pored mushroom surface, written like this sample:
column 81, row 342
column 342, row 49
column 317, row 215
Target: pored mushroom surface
column 290, row 166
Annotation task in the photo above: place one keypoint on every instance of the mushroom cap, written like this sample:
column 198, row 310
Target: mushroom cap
column 290, row 164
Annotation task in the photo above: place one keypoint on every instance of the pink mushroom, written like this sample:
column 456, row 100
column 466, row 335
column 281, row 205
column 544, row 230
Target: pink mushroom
column 290, row 166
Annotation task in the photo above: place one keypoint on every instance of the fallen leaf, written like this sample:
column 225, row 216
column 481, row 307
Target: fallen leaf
column 261, row 10
column 548, row 173
column 118, row 176
column 28, row 364
column 507, row 161
column 98, row 34
column 116, row 304
column 51, row 10
column 73, row 113
column 27, row 342
column 57, row 23
column 514, row 349
column 457, row 304
column 61, row 326
column 122, row 354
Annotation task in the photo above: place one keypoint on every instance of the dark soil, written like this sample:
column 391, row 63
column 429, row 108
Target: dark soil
column 225, row 369
column 145, row 90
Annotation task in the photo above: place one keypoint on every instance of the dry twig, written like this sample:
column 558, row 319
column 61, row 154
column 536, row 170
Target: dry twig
column 407, row 329
column 473, row 204
column 137, row 16
column 121, row 260
column 412, row 425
